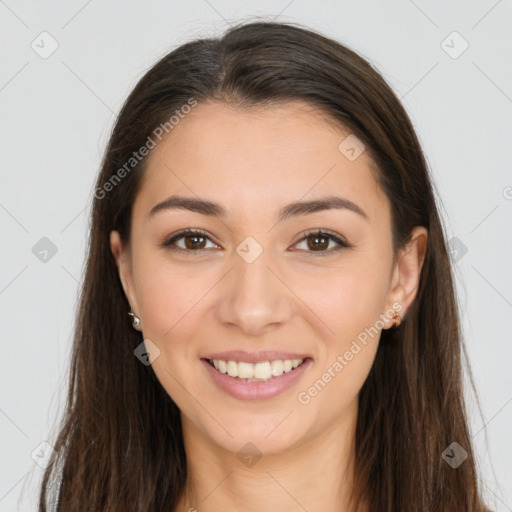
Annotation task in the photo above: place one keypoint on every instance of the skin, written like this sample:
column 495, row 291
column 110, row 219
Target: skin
column 253, row 162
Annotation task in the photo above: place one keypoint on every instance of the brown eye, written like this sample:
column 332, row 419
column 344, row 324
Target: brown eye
column 318, row 242
column 194, row 241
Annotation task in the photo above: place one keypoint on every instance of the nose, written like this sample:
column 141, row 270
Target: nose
column 254, row 298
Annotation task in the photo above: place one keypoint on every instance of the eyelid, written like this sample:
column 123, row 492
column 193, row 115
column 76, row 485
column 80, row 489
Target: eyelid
column 168, row 241
column 323, row 232
column 341, row 241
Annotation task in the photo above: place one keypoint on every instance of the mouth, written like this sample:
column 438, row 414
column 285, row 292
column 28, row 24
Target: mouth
column 261, row 380
column 262, row 371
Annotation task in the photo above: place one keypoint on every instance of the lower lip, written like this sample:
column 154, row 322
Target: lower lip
column 263, row 390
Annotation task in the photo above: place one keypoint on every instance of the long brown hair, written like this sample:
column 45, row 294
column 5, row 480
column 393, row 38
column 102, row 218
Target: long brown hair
column 120, row 442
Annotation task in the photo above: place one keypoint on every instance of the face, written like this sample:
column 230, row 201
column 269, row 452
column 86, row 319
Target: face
column 255, row 276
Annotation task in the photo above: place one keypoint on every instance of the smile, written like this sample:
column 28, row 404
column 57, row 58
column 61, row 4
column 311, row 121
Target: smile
column 258, row 381
column 257, row 372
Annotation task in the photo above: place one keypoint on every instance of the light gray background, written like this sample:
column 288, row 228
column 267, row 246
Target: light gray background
column 56, row 116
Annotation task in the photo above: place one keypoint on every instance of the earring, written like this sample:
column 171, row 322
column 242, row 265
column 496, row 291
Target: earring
column 135, row 319
column 397, row 320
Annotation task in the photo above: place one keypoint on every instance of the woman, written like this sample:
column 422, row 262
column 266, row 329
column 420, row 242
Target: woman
column 265, row 216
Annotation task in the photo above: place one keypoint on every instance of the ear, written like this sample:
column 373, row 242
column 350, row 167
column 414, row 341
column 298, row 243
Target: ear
column 406, row 273
column 123, row 262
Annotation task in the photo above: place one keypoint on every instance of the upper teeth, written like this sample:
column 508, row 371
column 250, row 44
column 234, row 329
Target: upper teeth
column 263, row 370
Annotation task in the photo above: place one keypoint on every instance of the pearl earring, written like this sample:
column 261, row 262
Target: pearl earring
column 135, row 319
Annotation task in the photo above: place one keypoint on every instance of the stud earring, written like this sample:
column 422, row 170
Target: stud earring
column 135, row 319
column 397, row 320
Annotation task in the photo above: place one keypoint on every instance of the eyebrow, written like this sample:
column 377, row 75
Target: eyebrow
column 205, row 207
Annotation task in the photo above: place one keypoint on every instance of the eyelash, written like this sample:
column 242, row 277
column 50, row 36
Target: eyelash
column 342, row 244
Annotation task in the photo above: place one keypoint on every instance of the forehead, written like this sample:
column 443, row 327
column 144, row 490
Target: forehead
column 257, row 156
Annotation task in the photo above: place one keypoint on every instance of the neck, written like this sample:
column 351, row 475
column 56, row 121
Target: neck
column 316, row 474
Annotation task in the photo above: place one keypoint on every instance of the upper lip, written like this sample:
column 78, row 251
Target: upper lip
column 254, row 357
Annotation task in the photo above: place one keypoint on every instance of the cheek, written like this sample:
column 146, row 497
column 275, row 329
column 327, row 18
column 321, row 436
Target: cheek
column 168, row 297
column 170, row 304
column 349, row 305
column 347, row 301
